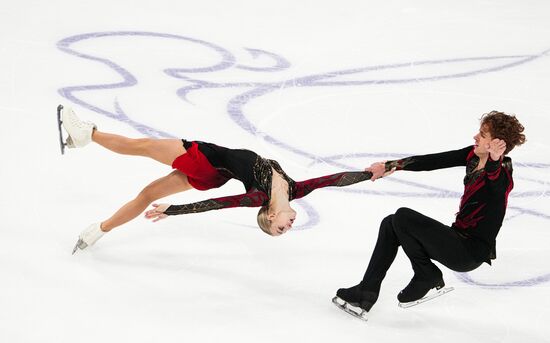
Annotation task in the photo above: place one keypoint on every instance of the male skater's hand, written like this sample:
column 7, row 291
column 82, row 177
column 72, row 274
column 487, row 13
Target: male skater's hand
column 378, row 170
column 157, row 213
column 496, row 148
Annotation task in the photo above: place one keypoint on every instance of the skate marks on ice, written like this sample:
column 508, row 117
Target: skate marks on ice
column 263, row 65
column 432, row 294
column 409, row 72
column 355, row 311
column 413, row 72
column 530, row 282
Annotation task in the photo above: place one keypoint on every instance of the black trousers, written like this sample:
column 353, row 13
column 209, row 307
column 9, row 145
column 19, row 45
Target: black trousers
column 423, row 239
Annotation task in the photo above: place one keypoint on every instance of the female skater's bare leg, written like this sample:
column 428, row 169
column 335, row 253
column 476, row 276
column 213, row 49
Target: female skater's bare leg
column 162, row 150
column 81, row 133
column 172, row 183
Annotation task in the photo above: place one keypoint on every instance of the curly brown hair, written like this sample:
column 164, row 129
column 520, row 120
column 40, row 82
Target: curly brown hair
column 504, row 126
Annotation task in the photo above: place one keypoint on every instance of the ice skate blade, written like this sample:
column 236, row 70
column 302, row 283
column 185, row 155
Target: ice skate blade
column 62, row 144
column 355, row 311
column 431, row 295
column 80, row 244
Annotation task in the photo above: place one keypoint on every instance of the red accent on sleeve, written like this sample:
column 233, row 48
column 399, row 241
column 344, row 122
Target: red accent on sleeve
column 493, row 168
column 251, row 199
column 303, row 188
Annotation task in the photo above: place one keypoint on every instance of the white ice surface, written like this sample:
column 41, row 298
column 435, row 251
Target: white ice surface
column 418, row 76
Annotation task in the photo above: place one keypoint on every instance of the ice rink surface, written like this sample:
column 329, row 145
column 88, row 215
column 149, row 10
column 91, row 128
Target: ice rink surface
column 319, row 86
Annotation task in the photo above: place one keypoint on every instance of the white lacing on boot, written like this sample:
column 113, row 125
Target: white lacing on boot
column 80, row 132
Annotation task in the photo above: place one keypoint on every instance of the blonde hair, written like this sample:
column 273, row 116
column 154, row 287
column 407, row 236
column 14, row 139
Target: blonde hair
column 263, row 222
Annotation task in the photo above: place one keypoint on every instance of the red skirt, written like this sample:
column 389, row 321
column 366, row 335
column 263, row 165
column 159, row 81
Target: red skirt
column 200, row 173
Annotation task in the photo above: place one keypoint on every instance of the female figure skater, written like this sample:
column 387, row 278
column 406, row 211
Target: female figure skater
column 201, row 166
column 464, row 245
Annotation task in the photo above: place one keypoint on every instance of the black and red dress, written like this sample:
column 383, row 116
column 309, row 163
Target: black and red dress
column 210, row 166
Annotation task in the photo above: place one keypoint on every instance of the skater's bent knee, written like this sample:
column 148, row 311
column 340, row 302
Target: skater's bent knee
column 386, row 225
column 403, row 212
column 386, row 221
column 148, row 195
column 403, row 215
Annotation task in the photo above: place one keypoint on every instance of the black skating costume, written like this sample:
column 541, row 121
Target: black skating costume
column 209, row 166
column 463, row 246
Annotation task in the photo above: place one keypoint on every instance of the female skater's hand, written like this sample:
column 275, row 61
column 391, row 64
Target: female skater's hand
column 378, row 170
column 157, row 213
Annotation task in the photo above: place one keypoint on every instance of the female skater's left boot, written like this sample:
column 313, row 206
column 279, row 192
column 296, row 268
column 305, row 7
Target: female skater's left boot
column 80, row 132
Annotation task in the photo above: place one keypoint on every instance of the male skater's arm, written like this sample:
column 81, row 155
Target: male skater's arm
column 498, row 169
column 447, row 159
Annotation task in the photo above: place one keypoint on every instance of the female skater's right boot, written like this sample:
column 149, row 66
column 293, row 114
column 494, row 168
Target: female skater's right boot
column 89, row 236
column 80, row 132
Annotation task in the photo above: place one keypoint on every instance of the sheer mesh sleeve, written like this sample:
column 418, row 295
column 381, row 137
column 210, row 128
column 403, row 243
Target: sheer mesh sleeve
column 254, row 198
column 303, row 188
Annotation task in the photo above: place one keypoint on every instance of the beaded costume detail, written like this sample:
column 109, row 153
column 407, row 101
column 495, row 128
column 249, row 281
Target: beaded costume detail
column 263, row 174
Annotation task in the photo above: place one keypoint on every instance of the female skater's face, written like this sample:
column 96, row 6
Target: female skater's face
column 482, row 140
column 282, row 222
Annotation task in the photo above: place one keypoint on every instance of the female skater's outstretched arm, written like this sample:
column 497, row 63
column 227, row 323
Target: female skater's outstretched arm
column 257, row 198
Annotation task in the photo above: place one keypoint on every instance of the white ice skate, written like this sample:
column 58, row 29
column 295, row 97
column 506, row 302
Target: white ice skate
column 355, row 311
column 433, row 293
column 80, row 132
column 89, row 236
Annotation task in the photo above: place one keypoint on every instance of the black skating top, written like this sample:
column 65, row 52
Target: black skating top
column 256, row 174
column 483, row 204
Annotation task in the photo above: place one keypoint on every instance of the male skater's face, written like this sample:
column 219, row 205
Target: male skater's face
column 482, row 140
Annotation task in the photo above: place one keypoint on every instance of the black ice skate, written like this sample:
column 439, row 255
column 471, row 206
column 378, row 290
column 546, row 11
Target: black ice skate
column 419, row 291
column 355, row 301
column 59, row 123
